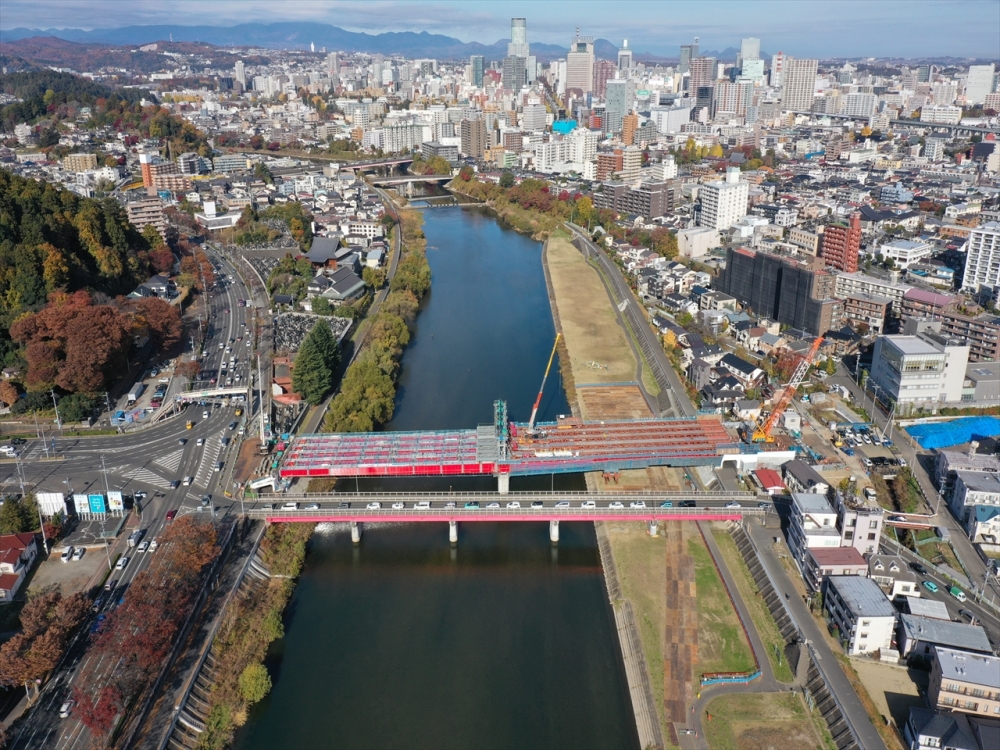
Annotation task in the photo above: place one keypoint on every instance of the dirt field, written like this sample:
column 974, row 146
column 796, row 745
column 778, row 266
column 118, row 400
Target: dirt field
column 892, row 689
column 653, row 478
column 69, row 577
column 760, row 721
column 588, row 322
column 613, row 402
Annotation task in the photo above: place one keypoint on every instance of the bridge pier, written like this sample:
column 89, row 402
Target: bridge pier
column 355, row 532
column 503, row 483
column 653, row 530
column 553, row 531
column 453, row 532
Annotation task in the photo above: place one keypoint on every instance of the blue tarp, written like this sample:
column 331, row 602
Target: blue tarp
column 955, row 432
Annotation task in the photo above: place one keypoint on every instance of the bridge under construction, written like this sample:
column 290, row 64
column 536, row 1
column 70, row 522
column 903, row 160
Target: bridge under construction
column 506, row 448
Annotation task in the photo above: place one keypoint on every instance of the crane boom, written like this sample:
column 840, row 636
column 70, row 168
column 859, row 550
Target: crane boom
column 762, row 434
column 538, row 401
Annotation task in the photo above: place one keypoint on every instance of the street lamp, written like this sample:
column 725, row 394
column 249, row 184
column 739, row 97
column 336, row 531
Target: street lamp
column 41, row 522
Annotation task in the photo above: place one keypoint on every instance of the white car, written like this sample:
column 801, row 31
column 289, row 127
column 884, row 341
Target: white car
column 312, row 506
column 143, row 546
column 733, row 505
column 204, row 414
column 637, row 504
column 562, row 504
column 79, row 553
column 422, row 505
column 616, row 505
column 398, row 505
column 201, row 441
column 588, row 504
column 290, row 506
column 493, row 505
column 66, row 708
column 67, row 554
column 373, row 506
column 122, row 563
column 513, row 504
column 153, row 545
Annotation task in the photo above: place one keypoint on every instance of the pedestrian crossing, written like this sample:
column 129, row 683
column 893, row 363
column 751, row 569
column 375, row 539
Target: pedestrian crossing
column 143, row 475
column 208, row 459
column 172, row 461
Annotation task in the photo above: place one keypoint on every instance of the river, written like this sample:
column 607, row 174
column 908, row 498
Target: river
column 502, row 641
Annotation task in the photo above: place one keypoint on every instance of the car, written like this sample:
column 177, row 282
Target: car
column 450, row 504
column 930, row 586
column 687, row 504
column 219, row 465
column 268, row 506
column 249, row 343
column 616, row 505
column 764, row 505
column 201, row 441
column 312, row 506
column 588, row 504
column 66, row 708
column 398, row 505
column 204, row 414
column 513, row 504
column 733, row 505
column 187, row 481
column 343, row 506
column 67, row 554
column 140, row 495
column 562, row 504
column 78, row 553
column 493, row 505
column 374, row 506
column 153, row 544
column 472, row 505
column 143, row 546
column 666, row 504
column 18, row 441
column 122, row 562
column 917, row 567
column 538, row 504
column 182, row 441
column 222, row 345
column 229, row 349
column 238, row 377
column 98, row 624
column 110, row 585
column 897, row 519
column 956, row 592
column 171, row 515
column 224, row 441
column 175, row 483
column 422, row 505
column 290, row 506
column 969, row 615
column 637, row 504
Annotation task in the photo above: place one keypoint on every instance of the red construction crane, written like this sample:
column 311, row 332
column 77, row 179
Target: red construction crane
column 762, row 433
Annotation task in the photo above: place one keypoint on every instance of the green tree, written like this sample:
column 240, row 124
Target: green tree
column 318, row 357
column 373, row 277
column 255, row 683
column 507, row 179
column 19, row 515
column 321, row 306
column 830, row 367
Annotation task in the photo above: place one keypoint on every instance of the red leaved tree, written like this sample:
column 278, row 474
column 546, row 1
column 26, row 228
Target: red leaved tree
column 98, row 713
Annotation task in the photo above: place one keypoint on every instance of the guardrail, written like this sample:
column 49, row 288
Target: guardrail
column 404, row 515
column 736, row 495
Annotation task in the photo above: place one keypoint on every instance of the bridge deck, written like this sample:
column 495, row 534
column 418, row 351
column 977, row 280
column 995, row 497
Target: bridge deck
column 562, row 446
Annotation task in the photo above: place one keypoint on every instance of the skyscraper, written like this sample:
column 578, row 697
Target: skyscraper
column 580, row 64
column 688, row 53
column 979, row 83
column 777, row 70
column 701, row 85
column 240, row 73
column 624, row 57
column 619, row 96
column 477, row 70
column 604, row 71
column 518, row 46
column 513, row 73
column 473, row 133
column 798, row 84
column 749, row 50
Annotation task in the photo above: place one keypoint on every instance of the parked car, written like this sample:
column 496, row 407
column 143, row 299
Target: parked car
column 67, row 554
column 78, row 553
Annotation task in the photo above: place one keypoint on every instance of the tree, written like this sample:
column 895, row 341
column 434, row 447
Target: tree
column 161, row 319
column 830, row 367
column 18, row 515
column 98, row 715
column 315, row 363
column 8, row 393
column 373, row 277
column 188, row 369
column 507, row 179
column 321, row 306
column 716, row 151
column 256, row 142
column 255, row 683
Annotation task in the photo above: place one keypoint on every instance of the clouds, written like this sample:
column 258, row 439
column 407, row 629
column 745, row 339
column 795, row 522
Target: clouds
column 962, row 28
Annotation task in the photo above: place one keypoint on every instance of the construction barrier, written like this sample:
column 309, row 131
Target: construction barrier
column 718, row 678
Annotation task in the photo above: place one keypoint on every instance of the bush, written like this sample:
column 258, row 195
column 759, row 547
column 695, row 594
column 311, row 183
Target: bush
column 36, row 401
column 255, row 683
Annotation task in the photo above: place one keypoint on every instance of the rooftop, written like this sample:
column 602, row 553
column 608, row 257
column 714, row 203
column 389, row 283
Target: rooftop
column 808, row 502
column 837, row 556
column 927, row 608
column 981, row 669
column 913, row 345
column 945, row 632
column 863, row 596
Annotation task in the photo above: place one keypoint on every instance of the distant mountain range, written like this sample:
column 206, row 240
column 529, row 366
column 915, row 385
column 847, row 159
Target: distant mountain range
column 300, row 35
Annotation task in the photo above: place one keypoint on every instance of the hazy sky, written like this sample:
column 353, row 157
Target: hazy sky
column 961, row 28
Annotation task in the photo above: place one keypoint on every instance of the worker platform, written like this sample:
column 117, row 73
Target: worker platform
column 509, row 448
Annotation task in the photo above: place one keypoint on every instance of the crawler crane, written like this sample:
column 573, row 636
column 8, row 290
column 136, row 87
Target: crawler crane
column 762, row 432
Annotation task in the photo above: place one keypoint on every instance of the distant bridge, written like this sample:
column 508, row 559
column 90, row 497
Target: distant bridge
column 411, row 178
column 958, row 128
column 376, row 163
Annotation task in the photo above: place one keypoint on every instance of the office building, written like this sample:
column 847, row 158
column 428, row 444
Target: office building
column 965, row 682
column 859, row 105
column 924, row 371
column 669, row 119
column 518, row 45
column 979, row 83
column 704, row 72
column 534, row 117
column 906, row 252
column 240, row 73
column 619, row 97
column 723, row 202
column 688, row 53
column 749, row 50
column 625, row 58
column 982, row 261
column 473, row 133
column 580, row 65
column 514, row 74
column 476, row 61
column 865, row 619
column 841, row 243
column 943, row 115
column 604, row 71
column 798, row 84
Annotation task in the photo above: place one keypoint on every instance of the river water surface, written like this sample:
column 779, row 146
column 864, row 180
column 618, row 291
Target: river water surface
column 502, row 641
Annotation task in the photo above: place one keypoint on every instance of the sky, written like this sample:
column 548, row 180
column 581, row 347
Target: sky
column 817, row 28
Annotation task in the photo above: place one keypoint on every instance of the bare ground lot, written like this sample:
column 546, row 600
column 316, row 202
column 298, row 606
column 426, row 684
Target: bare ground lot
column 892, row 689
column 760, row 721
column 613, row 402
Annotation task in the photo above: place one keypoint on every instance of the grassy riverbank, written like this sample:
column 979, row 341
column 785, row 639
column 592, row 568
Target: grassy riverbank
column 252, row 622
column 755, row 721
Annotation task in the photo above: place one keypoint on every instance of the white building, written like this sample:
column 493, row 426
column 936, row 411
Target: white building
column 813, row 525
column 979, row 83
column 982, row 259
column 859, row 105
column 669, row 119
column 696, row 241
column 723, row 202
column 919, row 372
column 798, row 84
column 945, row 115
column 906, row 252
column 934, row 149
column 865, row 618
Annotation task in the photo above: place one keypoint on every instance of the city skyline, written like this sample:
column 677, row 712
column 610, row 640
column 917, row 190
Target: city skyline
column 844, row 29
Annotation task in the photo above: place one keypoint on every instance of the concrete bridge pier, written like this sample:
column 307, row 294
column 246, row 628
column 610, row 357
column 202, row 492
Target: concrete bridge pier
column 653, row 530
column 503, row 483
column 355, row 532
column 453, row 532
column 553, row 531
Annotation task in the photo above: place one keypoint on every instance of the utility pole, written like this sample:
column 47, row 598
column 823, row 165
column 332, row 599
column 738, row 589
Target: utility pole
column 41, row 522
column 56, row 405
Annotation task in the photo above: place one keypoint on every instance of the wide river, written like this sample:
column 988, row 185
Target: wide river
column 501, row 641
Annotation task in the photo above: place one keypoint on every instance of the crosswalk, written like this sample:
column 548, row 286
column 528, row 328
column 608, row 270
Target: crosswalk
column 208, row 459
column 172, row 461
column 142, row 475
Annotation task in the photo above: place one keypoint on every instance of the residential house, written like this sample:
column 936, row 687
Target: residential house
column 746, row 372
column 893, row 575
column 17, row 553
column 974, row 488
column 983, row 524
column 813, row 524
column 933, row 608
column 858, row 608
column 345, row 286
column 801, row 477
column 823, row 562
column 918, row 635
column 965, row 682
column 770, row 481
column 927, row 729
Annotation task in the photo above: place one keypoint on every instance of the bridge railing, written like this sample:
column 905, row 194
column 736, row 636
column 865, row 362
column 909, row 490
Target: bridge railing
column 520, row 495
column 499, row 514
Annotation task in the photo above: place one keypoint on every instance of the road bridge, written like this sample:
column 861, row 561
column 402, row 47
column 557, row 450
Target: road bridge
column 411, row 178
column 957, row 128
column 213, row 393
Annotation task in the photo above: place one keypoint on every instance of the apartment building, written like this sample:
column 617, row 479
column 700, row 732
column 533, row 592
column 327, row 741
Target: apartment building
column 923, row 303
column 79, row 162
column 982, row 263
column 865, row 619
column 869, row 310
column 981, row 332
column 723, row 202
column 147, row 212
column 965, row 682
column 861, row 283
column 841, row 243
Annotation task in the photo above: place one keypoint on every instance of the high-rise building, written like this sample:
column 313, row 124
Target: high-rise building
column 630, row 124
column 604, row 71
column 473, row 138
column 777, row 70
column 979, row 83
column 688, row 53
column 841, row 243
column 518, row 46
column 534, row 117
column 703, row 73
column 240, row 73
column 859, row 105
column 749, row 50
column 982, row 260
column 625, row 57
column 934, row 148
column 514, row 75
column 618, row 103
column 733, row 97
column 476, row 61
column 724, row 202
column 580, row 65
column 798, row 86
column 333, row 64
column 147, row 212
column 146, row 165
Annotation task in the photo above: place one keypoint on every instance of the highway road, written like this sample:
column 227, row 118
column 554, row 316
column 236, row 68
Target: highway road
column 673, row 399
column 174, row 465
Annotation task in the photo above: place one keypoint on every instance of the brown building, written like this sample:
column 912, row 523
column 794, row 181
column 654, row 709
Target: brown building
column 922, row 303
column 870, row 310
column 609, row 164
column 147, row 212
column 604, row 70
column 80, row 162
column 630, row 124
column 841, row 243
column 981, row 332
column 473, row 138
column 513, row 140
column 650, row 199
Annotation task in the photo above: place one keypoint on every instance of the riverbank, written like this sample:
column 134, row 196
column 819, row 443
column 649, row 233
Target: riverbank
column 538, row 224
